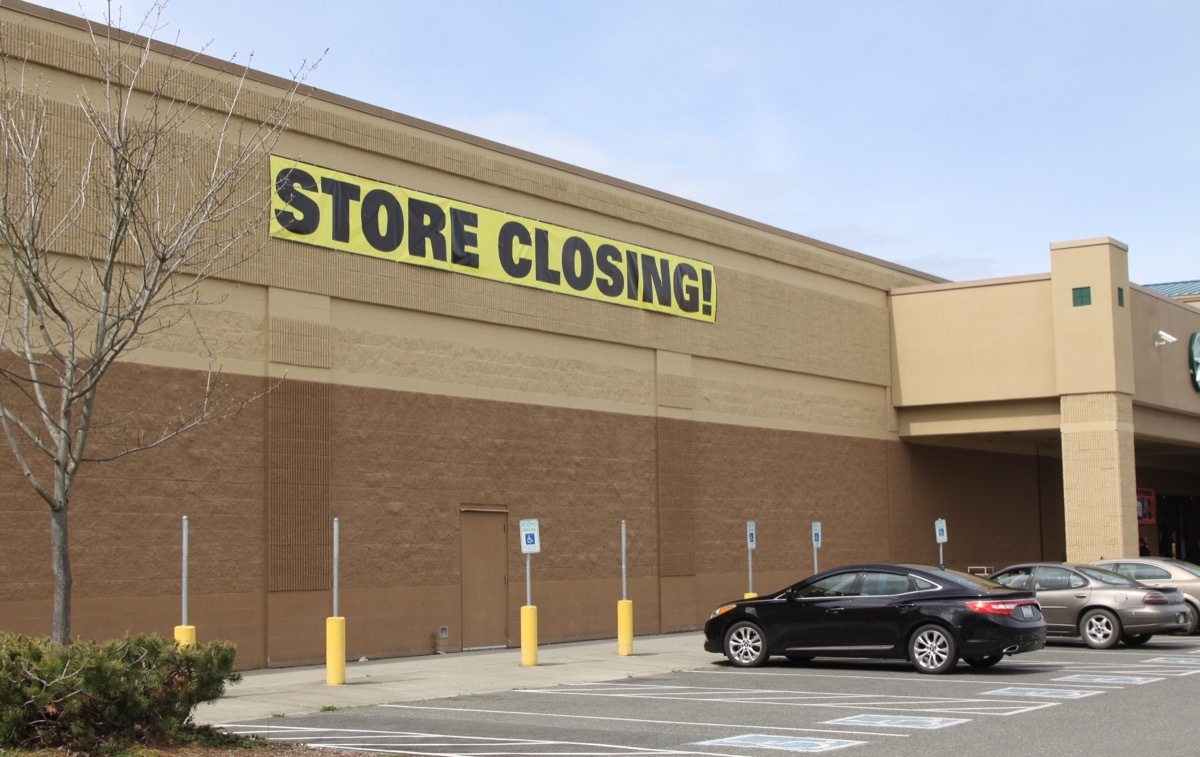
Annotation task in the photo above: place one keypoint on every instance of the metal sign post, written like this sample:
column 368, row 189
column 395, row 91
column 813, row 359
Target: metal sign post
column 531, row 543
column 185, row 571
column 751, row 543
column 624, row 607
column 939, row 531
column 816, row 538
column 335, row 568
column 185, row 634
column 335, row 629
column 624, row 578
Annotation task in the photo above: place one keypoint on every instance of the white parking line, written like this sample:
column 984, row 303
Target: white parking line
column 1031, row 691
column 1162, row 666
column 900, row 721
column 907, row 680
column 786, row 744
column 1184, row 661
column 647, row 721
column 443, row 745
column 1099, row 679
column 761, row 697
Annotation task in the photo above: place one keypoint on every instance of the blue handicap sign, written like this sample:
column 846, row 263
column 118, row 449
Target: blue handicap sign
column 529, row 538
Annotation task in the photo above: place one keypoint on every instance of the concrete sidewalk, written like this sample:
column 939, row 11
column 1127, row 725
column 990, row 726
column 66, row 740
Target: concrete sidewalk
column 296, row 691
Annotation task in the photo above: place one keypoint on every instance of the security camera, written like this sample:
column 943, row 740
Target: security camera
column 1165, row 338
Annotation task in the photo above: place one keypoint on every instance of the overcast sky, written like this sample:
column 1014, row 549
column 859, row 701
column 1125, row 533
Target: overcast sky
column 957, row 137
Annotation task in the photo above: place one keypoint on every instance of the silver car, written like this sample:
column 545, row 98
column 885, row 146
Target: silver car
column 1162, row 572
column 1098, row 605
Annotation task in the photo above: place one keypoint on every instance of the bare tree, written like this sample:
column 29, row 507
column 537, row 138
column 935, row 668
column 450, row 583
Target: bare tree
column 118, row 201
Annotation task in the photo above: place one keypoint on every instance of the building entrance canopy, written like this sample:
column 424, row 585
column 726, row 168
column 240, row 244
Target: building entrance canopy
column 1078, row 365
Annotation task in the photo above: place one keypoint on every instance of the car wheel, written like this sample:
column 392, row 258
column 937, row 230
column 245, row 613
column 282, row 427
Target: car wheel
column 745, row 645
column 932, row 649
column 1136, row 639
column 1100, row 629
column 984, row 662
column 799, row 659
column 1193, row 619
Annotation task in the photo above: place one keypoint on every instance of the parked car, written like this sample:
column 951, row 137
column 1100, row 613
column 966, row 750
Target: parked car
column 1162, row 572
column 1096, row 604
column 927, row 615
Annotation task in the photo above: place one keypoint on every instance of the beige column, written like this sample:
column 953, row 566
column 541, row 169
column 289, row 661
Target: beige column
column 1098, row 476
column 1094, row 378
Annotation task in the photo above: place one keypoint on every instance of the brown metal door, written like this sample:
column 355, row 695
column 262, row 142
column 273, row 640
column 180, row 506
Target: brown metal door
column 484, row 579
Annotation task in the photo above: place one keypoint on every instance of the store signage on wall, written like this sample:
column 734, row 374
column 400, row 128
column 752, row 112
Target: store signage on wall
column 340, row 211
column 1194, row 359
column 1147, row 511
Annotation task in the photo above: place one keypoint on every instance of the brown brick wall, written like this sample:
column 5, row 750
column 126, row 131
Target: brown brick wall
column 126, row 521
column 990, row 503
column 299, row 524
column 402, row 465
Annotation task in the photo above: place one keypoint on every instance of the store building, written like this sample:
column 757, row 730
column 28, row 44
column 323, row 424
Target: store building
column 458, row 336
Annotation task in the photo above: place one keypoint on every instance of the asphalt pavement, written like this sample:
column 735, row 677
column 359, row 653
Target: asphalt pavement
column 278, row 692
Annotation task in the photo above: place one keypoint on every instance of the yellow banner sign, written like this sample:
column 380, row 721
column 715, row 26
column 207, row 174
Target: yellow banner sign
column 343, row 212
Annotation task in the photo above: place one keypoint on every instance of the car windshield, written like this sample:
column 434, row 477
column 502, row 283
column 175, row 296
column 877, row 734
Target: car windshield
column 1185, row 565
column 1104, row 576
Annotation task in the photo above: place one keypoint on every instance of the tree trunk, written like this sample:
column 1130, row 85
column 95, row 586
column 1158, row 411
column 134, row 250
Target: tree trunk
column 60, row 631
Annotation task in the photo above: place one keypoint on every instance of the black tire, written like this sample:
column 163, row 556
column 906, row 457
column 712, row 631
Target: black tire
column 799, row 659
column 1100, row 629
column 745, row 645
column 932, row 649
column 984, row 662
column 1136, row 639
column 1193, row 619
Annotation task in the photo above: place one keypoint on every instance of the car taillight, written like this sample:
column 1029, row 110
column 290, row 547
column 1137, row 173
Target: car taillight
column 998, row 606
column 1156, row 598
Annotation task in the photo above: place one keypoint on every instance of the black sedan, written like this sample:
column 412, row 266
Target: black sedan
column 928, row 615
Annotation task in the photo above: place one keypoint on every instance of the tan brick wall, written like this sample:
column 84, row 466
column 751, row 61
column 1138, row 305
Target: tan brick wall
column 784, row 301
column 1099, row 480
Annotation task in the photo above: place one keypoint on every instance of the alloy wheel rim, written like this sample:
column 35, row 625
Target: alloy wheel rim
column 931, row 649
column 745, row 644
column 1099, row 629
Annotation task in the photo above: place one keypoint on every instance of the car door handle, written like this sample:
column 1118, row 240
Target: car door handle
column 834, row 610
column 1081, row 596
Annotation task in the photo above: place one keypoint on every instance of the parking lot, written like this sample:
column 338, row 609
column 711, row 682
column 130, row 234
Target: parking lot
column 1065, row 699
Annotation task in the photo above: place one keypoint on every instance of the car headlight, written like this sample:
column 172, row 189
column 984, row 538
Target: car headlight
column 721, row 611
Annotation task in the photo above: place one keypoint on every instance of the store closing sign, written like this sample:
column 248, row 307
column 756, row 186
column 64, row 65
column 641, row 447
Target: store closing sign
column 344, row 212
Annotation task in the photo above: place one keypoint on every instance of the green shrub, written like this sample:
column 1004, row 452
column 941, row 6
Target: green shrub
column 85, row 694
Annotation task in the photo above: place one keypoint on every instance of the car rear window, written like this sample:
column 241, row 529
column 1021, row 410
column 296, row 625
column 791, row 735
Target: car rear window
column 966, row 580
column 1184, row 565
column 1104, row 576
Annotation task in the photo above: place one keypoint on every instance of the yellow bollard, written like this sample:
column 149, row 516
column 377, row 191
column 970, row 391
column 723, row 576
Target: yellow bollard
column 185, row 636
column 335, row 651
column 749, row 595
column 625, row 627
column 529, row 636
